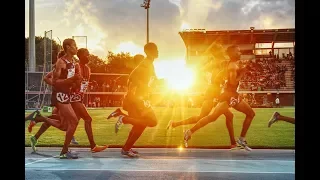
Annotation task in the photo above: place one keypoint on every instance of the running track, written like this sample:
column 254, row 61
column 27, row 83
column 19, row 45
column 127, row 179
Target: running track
column 162, row 164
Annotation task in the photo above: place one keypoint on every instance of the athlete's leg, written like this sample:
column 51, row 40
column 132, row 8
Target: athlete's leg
column 277, row 117
column 245, row 108
column 137, row 131
column 206, row 108
column 220, row 109
column 229, row 123
column 82, row 112
column 140, row 106
column 287, row 119
column 45, row 126
column 37, row 117
column 68, row 115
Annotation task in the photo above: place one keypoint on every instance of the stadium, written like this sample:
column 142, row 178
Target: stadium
column 269, row 54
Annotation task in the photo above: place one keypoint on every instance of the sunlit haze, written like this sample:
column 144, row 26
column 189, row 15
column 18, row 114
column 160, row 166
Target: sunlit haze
column 178, row 76
column 129, row 47
column 184, row 26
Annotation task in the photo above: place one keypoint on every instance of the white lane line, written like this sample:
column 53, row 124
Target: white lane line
column 40, row 159
column 166, row 170
column 187, row 159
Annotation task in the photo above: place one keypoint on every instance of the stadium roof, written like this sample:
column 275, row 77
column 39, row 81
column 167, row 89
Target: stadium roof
column 195, row 36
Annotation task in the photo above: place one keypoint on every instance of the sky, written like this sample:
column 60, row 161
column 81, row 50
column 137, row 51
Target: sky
column 120, row 25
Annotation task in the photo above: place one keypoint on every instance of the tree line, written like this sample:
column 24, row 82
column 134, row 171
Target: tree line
column 122, row 62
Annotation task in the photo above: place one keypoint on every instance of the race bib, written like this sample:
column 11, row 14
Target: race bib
column 71, row 72
column 233, row 101
column 147, row 103
column 84, row 86
column 62, row 97
column 75, row 97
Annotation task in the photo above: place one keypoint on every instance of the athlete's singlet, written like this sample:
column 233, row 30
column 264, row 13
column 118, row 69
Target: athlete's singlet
column 229, row 92
column 62, row 94
column 77, row 93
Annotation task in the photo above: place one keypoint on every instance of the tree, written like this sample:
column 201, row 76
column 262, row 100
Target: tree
column 39, row 49
column 121, row 62
column 96, row 64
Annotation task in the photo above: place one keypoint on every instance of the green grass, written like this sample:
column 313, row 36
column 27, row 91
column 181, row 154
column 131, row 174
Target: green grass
column 280, row 135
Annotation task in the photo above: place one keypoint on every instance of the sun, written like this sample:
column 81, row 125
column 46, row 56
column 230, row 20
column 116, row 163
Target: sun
column 182, row 79
column 178, row 76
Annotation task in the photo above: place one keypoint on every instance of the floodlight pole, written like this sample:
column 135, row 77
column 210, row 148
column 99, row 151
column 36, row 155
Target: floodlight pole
column 146, row 5
column 32, row 49
column 59, row 43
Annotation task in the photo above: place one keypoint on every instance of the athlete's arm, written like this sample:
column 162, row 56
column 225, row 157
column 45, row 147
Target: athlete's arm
column 78, row 71
column 57, row 72
column 48, row 78
column 219, row 77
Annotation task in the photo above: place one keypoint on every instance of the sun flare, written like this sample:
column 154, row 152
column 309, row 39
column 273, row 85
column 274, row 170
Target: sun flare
column 175, row 72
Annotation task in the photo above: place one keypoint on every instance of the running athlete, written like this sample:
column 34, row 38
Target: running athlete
column 45, row 126
column 211, row 99
column 136, row 101
column 229, row 98
column 65, row 75
column 77, row 95
column 76, row 99
column 278, row 117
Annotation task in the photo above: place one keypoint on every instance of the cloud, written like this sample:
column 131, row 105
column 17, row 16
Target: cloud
column 235, row 14
column 123, row 21
column 109, row 23
column 81, row 12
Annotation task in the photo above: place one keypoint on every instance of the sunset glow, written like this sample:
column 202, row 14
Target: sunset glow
column 178, row 76
column 130, row 47
column 184, row 26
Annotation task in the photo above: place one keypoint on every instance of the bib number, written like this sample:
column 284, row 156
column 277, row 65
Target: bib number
column 71, row 72
column 84, row 86
column 233, row 101
column 75, row 97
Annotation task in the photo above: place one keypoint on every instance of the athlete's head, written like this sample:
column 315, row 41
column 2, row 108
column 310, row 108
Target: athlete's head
column 234, row 52
column 151, row 50
column 70, row 46
column 83, row 55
